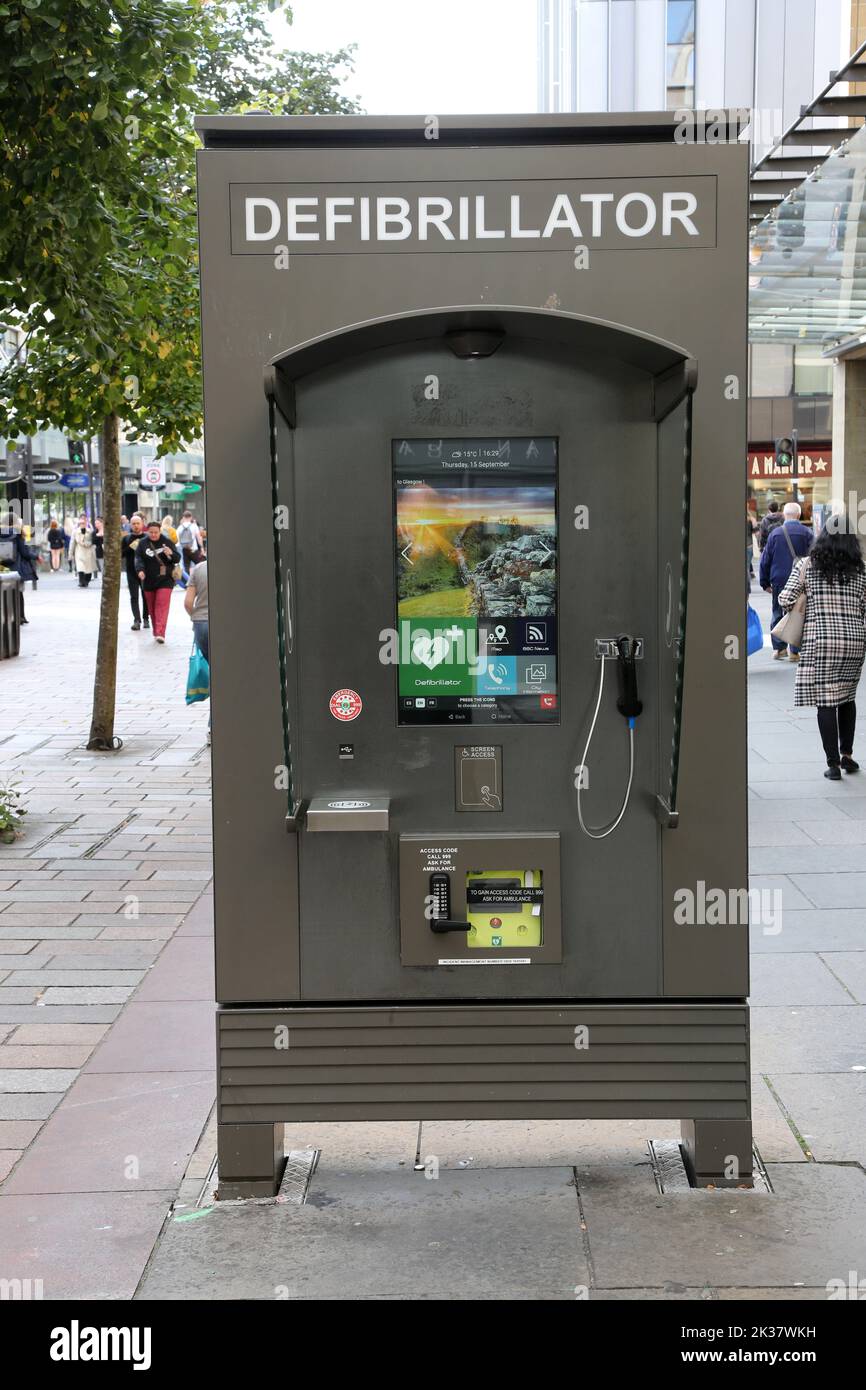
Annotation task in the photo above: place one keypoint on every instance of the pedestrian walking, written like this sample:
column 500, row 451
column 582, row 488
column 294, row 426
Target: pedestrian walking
column 787, row 543
column 195, row 603
column 155, row 559
column 771, row 519
column 99, row 542
column 834, row 638
column 82, row 552
column 189, row 540
column 137, row 599
column 56, row 544
column 68, row 528
column 167, row 528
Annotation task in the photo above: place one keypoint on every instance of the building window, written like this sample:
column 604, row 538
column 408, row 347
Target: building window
column 772, row 369
column 681, row 54
column 813, row 375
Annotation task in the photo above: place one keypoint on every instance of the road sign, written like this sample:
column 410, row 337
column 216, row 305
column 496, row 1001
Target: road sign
column 152, row 473
column 75, row 482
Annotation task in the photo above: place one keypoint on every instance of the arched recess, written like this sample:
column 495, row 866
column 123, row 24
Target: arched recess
column 477, row 331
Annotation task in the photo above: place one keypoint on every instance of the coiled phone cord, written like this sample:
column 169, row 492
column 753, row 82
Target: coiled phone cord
column 600, row 832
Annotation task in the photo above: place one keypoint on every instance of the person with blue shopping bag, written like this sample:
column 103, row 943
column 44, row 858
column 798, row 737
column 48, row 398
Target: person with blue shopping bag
column 195, row 603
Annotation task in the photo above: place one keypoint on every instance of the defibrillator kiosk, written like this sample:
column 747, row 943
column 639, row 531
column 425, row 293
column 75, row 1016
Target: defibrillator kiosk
column 474, row 424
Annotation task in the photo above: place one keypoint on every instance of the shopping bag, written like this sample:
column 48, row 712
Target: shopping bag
column 754, row 631
column 198, row 677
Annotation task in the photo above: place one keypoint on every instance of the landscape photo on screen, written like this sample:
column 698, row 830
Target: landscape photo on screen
column 476, row 580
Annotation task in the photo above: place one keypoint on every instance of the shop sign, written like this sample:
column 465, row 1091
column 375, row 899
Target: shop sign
column 815, row 463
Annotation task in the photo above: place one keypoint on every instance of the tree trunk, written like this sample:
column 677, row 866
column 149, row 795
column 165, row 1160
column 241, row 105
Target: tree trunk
column 105, row 678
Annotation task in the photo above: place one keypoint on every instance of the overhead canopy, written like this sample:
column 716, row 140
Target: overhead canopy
column 807, row 278
column 674, row 370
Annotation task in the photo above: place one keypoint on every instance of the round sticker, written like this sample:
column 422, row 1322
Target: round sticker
column 345, row 705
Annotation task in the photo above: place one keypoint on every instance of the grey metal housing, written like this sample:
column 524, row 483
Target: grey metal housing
column 634, row 361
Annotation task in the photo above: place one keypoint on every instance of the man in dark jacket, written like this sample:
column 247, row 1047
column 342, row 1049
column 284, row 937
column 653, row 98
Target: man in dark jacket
column 787, row 543
column 129, row 544
column 771, row 519
column 155, row 559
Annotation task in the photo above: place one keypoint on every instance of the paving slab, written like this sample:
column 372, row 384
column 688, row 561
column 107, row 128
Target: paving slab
column 89, row 994
column 118, row 1133
column 167, row 1036
column 17, row 1134
column 44, row 1055
column 830, row 1113
column 834, row 833
column 60, row 1013
column 55, row 1033
column 123, row 932
column 36, row 1078
column 792, row 896
column 34, row 961
column 185, row 970
column 804, row 1039
column 809, row 1230
column 811, row 859
column 832, row 889
column 28, row 1105
column 771, row 1131
column 87, row 978
column 850, row 968
column 815, row 929
column 81, row 1245
column 764, row 833
column 798, row 809
column 8, row 1159
column 114, row 956
column 504, row 1234
column 800, row 978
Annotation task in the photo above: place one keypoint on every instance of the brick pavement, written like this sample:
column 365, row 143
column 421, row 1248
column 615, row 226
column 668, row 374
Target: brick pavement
column 117, row 848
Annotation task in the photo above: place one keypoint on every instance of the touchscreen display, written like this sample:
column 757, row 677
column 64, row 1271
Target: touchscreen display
column 476, row 580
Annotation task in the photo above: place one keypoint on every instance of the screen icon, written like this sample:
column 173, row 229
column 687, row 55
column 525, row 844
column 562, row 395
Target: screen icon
column 536, row 632
column 548, row 701
column 536, row 673
column 499, row 677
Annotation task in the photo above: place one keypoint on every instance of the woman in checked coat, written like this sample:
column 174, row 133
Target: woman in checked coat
column 834, row 637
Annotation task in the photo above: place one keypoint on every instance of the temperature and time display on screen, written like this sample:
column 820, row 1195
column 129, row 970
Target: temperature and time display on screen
column 475, row 548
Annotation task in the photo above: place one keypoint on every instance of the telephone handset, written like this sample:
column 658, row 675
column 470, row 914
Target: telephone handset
column 628, row 704
column 625, row 651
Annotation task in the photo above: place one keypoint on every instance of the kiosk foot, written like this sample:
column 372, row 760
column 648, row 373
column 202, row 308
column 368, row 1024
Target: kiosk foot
column 250, row 1160
column 718, row 1152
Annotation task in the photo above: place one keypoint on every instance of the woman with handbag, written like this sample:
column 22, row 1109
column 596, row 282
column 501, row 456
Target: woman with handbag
column 828, row 591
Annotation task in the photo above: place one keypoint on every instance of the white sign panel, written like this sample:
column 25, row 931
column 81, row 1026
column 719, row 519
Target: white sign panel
column 152, row 472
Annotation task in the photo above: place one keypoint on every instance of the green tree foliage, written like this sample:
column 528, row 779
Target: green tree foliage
column 97, row 197
column 97, row 220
